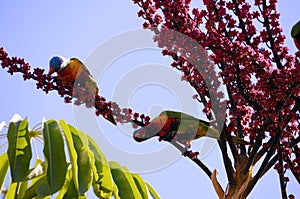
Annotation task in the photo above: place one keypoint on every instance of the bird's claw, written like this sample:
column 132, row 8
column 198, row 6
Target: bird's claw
column 168, row 136
column 191, row 154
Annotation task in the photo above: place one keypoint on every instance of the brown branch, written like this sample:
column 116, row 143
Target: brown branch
column 227, row 162
column 292, row 168
column 287, row 121
column 195, row 159
column 281, row 173
column 217, row 186
column 267, row 122
column 237, row 120
column 256, row 146
column 242, row 24
column 264, row 164
column 270, row 164
column 275, row 159
column 271, row 39
column 262, row 152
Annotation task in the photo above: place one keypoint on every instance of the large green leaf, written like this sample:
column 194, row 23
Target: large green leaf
column 55, row 155
column 71, row 149
column 12, row 190
column 152, row 191
column 38, row 188
column 104, row 183
column 84, row 160
column 116, row 192
column 19, row 149
column 71, row 191
column 68, row 187
column 22, row 189
column 3, row 168
column 124, row 181
column 35, row 174
column 140, row 185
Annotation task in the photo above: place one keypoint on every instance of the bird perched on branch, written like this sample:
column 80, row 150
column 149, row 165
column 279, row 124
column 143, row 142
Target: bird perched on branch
column 180, row 126
column 73, row 70
column 296, row 34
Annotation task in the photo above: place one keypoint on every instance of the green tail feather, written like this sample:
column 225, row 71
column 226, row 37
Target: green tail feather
column 214, row 133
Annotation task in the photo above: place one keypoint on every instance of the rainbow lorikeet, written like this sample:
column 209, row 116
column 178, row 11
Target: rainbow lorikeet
column 180, row 126
column 73, row 70
column 296, row 34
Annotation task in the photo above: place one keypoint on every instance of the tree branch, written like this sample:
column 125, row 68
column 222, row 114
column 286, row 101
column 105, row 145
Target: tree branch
column 194, row 159
column 281, row 173
column 227, row 162
column 271, row 39
column 237, row 120
column 256, row 146
column 218, row 188
column 264, row 164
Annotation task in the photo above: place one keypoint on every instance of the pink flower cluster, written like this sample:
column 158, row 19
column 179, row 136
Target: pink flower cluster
column 68, row 92
column 246, row 43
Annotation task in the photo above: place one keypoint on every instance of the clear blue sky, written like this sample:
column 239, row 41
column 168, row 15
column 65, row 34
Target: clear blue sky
column 38, row 30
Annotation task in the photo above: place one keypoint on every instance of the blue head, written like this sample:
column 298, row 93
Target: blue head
column 57, row 63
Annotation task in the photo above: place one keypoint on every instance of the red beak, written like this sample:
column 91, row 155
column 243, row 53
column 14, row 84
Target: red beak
column 51, row 70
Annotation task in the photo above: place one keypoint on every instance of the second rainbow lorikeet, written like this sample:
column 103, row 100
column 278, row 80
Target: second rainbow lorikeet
column 74, row 71
column 295, row 33
column 180, row 126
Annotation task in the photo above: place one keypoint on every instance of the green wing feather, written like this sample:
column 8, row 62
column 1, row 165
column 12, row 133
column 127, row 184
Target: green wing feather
column 190, row 127
column 295, row 29
column 184, row 117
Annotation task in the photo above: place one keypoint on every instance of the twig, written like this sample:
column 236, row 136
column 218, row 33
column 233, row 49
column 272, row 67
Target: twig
column 281, row 173
column 227, row 162
column 264, row 164
column 216, row 184
column 195, row 159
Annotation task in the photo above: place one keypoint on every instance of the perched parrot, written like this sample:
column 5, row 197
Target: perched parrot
column 182, row 127
column 73, row 70
column 296, row 34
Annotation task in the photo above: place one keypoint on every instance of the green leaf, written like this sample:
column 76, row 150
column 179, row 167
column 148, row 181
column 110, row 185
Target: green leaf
column 3, row 167
column 71, row 149
column 19, row 150
column 12, row 190
column 22, row 189
column 116, row 192
column 55, row 155
column 124, row 181
column 85, row 175
column 153, row 193
column 70, row 189
column 38, row 188
column 66, row 186
column 84, row 160
column 140, row 185
column 104, row 183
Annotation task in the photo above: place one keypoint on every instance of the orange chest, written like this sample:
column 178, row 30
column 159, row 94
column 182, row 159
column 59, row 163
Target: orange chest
column 70, row 72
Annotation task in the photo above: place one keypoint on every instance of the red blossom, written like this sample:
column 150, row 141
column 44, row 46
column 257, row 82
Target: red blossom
column 246, row 43
column 67, row 90
column 291, row 196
